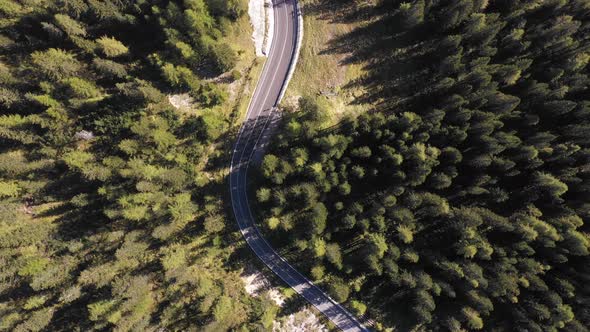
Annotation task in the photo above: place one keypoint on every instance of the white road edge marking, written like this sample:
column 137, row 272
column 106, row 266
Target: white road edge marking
column 308, row 284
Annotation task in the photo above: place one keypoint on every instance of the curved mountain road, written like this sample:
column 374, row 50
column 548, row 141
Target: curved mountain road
column 253, row 135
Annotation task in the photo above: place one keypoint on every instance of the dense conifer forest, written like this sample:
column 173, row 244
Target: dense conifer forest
column 110, row 217
column 461, row 201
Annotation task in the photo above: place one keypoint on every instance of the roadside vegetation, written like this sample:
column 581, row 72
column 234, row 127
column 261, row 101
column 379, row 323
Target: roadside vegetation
column 321, row 73
column 460, row 200
column 111, row 213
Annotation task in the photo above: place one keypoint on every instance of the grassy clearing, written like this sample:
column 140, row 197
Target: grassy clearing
column 236, row 37
column 251, row 79
column 320, row 72
column 233, row 110
column 248, row 65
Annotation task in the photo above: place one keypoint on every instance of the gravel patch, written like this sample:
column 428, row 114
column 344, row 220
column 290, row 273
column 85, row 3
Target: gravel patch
column 302, row 321
column 181, row 102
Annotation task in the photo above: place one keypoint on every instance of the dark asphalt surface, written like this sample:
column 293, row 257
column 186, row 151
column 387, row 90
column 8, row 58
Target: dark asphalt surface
column 251, row 138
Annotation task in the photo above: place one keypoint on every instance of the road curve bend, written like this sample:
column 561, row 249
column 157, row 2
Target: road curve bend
column 253, row 135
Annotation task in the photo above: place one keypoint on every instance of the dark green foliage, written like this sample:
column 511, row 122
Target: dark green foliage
column 460, row 201
column 225, row 57
column 111, row 47
column 339, row 290
column 105, row 224
column 229, row 8
column 55, row 63
column 109, row 68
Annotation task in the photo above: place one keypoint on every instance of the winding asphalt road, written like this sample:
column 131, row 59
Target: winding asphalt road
column 252, row 137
